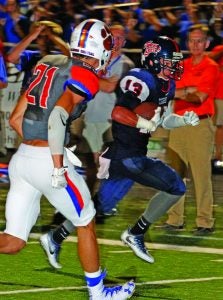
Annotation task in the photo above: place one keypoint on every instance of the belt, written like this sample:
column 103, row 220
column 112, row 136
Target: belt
column 201, row 117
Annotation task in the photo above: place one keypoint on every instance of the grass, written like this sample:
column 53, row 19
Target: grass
column 175, row 275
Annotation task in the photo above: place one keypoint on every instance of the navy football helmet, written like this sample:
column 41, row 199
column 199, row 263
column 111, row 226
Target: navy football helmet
column 163, row 53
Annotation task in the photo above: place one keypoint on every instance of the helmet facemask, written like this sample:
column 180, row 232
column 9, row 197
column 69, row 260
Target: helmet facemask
column 172, row 68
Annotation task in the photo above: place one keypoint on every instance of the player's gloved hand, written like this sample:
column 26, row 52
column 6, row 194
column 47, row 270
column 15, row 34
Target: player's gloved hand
column 191, row 118
column 58, row 179
column 156, row 118
column 149, row 125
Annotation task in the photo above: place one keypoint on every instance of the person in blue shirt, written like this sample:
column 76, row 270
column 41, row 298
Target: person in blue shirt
column 46, row 35
column 3, row 73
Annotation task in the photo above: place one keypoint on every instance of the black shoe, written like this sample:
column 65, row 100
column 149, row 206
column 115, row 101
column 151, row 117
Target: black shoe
column 169, row 227
column 203, row 231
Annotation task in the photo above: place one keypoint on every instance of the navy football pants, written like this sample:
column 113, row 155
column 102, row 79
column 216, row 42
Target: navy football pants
column 144, row 170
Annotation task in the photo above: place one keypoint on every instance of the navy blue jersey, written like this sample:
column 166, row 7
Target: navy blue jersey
column 138, row 86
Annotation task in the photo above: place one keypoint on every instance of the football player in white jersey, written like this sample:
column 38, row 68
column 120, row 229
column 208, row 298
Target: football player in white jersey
column 41, row 166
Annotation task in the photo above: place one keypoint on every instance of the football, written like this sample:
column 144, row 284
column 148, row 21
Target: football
column 146, row 110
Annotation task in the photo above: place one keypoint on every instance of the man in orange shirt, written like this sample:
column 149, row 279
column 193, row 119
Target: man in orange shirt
column 194, row 146
column 217, row 165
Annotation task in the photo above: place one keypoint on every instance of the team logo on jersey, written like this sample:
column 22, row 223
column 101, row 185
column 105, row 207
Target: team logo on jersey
column 151, row 47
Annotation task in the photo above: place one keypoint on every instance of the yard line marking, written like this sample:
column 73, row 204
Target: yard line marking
column 60, row 288
column 169, row 281
column 153, row 246
column 173, row 234
column 194, row 237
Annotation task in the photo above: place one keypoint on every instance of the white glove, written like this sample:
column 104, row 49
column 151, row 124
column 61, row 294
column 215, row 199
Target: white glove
column 191, row 118
column 58, row 179
column 149, row 125
column 156, row 118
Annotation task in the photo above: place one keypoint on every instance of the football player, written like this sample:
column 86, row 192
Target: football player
column 41, row 166
column 126, row 161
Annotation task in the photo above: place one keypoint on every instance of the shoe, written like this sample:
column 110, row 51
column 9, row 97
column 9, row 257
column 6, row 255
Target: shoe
column 101, row 217
column 203, row 231
column 51, row 249
column 120, row 292
column 112, row 212
column 217, row 166
column 136, row 243
column 169, row 227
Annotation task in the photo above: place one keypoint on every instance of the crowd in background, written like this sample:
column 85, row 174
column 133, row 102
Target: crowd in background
column 142, row 21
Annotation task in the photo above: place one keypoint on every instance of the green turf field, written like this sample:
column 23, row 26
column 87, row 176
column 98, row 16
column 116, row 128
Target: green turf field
column 186, row 267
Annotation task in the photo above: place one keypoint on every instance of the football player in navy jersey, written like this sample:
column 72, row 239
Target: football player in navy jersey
column 127, row 157
column 41, row 165
column 126, row 160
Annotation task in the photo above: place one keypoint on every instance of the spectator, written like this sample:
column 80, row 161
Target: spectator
column 162, row 23
column 3, row 73
column 216, row 34
column 195, row 92
column 16, row 25
column 47, row 37
column 132, row 23
column 217, row 55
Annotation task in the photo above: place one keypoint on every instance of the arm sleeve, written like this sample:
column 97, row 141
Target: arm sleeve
column 56, row 129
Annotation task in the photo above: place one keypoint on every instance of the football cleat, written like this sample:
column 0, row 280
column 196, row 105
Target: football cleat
column 136, row 243
column 51, row 249
column 119, row 292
